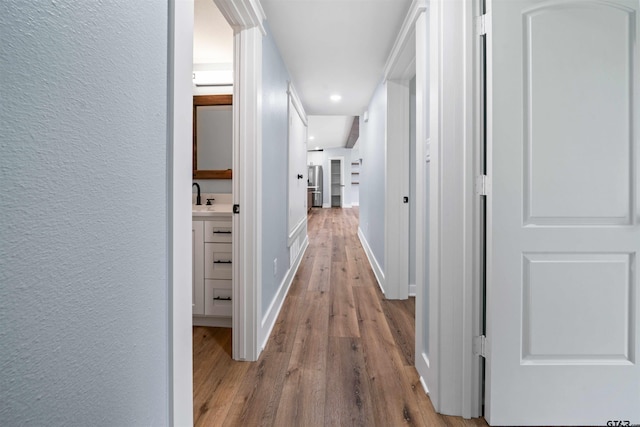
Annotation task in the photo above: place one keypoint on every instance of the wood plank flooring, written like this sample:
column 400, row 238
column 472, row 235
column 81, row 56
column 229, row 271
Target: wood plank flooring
column 339, row 354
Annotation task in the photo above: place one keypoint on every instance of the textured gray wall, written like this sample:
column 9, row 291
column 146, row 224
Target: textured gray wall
column 274, row 169
column 372, row 171
column 83, row 213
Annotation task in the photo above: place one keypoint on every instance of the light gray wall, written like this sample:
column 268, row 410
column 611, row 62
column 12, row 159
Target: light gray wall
column 372, row 172
column 83, row 213
column 274, row 169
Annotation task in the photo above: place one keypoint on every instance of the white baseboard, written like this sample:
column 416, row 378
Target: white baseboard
column 377, row 271
column 326, row 206
column 424, row 385
column 270, row 317
column 412, row 290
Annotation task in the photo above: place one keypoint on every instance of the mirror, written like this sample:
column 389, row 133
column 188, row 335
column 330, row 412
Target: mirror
column 212, row 136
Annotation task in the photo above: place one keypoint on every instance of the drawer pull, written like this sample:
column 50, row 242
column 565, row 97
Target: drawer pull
column 221, row 232
column 222, row 262
column 222, row 299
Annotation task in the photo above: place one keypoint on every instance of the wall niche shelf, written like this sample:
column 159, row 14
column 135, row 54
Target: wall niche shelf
column 355, row 173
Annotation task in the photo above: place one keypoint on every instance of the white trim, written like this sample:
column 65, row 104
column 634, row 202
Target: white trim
column 424, row 384
column 180, row 107
column 401, row 62
column 472, row 294
column 373, row 262
column 412, row 289
column 242, row 14
column 295, row 100
column 424, row 42
column 326, row 206
column 296, row 230
column 271, row 315
column 396, row 215
column 247, row 192
column 451, row 259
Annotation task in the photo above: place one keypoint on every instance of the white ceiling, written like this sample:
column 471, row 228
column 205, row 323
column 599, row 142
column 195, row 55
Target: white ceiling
column 329, row 47
column 335, row 46
column 328, row 131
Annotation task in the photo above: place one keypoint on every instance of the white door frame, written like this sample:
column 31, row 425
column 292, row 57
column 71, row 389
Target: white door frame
column 245, row 17
column 450, row 372
column 398, row 72
column 179, row 117
column 396, row 211
column 453, row 249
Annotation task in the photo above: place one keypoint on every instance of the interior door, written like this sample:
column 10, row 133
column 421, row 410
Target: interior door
column 297, row 168
column 563, row 214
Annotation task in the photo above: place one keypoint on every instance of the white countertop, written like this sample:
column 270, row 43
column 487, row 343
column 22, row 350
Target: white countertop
column 222, row 206
column 221, row 209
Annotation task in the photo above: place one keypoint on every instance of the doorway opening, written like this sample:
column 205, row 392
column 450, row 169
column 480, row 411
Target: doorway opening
column 337, row 181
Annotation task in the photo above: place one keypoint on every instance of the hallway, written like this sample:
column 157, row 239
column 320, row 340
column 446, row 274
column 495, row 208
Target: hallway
column 338, row 355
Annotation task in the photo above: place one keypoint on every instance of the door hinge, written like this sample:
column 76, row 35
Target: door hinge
column 236, row 209
column 480, row 346
column 482, row 24
column 482, row 185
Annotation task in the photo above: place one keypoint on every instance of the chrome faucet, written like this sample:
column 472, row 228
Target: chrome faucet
column 198, row 200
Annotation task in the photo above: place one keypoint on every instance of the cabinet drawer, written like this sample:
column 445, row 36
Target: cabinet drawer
column 217, row 261
column 217, row 295
column 217, row 231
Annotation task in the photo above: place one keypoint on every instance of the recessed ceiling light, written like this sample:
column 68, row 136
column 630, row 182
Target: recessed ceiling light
column 311, row 138
column 335, row 97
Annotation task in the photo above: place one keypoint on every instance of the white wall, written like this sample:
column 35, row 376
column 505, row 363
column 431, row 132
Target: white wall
column 83, row 218
column 322, row 158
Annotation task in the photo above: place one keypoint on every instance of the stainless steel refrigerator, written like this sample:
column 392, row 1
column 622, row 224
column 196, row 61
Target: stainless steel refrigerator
column 315, row 184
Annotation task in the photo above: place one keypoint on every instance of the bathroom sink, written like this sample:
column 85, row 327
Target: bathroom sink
column 203, row 208
column 212, row 210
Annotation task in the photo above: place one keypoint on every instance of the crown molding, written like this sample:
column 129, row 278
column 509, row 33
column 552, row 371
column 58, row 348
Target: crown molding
column 401, row 62
column 242, row 14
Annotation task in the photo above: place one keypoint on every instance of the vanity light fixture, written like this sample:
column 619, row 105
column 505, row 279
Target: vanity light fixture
column 213, row 78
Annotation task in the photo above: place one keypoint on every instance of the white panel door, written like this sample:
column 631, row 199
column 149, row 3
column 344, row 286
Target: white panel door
column 297, row 168
column 563, row 213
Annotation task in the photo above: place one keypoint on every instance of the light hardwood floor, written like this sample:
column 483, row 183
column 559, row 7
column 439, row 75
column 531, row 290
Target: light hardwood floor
column 339, row 354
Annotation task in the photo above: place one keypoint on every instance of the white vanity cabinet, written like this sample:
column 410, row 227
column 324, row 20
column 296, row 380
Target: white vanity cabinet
column 212, row 264
column 197, row 274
